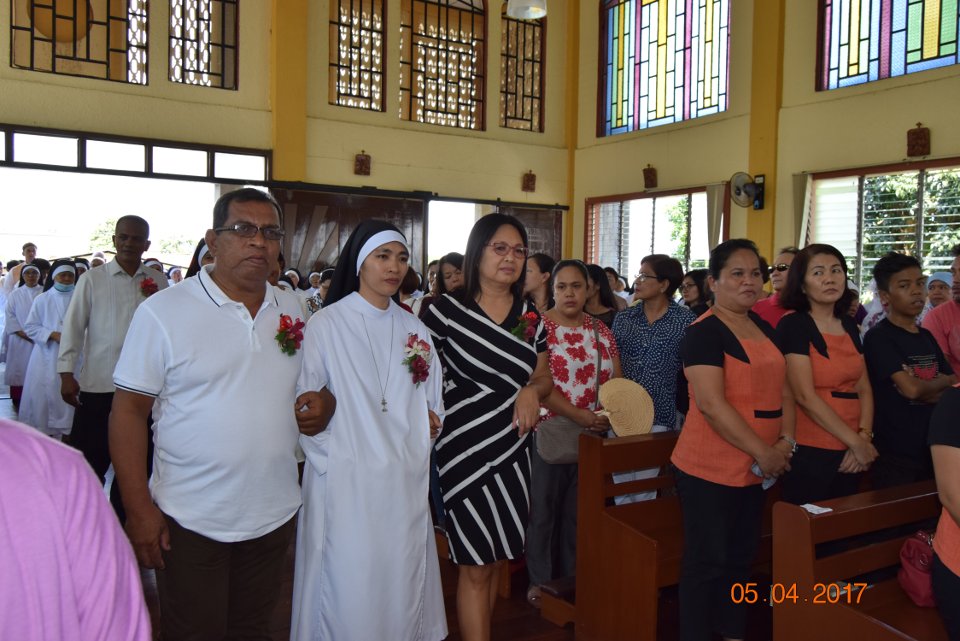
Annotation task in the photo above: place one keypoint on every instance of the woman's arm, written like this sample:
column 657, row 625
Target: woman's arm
column 946, row 465
column 526, row 409
column 708, row 390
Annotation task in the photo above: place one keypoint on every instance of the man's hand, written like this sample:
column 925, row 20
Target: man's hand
column 148, row 534
column 69, row 389
column 435, row 424
column 314, row 411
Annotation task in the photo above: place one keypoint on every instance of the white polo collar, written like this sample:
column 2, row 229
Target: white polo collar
column 213, row 291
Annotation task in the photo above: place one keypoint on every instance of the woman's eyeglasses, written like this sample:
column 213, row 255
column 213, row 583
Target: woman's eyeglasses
column 502, row 249
column 779, row 267
column 687, row 286
column 641, row 277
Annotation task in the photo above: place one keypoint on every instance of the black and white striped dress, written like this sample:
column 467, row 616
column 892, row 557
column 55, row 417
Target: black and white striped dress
column 484, row 465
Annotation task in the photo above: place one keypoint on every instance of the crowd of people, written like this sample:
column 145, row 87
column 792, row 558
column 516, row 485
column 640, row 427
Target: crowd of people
column 389, row 388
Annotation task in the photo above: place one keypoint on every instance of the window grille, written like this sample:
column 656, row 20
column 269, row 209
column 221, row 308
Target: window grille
column 104, row 39
column 356, row 54
column 521, row 73
column 203, row 42
column 442, row 62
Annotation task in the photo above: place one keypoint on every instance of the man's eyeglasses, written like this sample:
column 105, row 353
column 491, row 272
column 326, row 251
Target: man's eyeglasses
column 249, row 230
column 779, row 267
column 502, row 249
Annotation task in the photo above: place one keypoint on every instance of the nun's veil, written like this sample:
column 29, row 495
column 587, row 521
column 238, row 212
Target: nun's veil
column 346, row 278
column 53, row 268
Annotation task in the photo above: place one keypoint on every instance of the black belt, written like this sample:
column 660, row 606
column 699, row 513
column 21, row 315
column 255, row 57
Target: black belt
column 777, row 413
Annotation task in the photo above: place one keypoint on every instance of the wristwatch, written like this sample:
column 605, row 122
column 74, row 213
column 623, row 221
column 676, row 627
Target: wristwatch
column 793, row 443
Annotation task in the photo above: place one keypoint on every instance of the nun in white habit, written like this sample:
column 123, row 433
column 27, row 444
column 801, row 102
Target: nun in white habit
column 19, row 345
column 367, row 566
column 41, row 405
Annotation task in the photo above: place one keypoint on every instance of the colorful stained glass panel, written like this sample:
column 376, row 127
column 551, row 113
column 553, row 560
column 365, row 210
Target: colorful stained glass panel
column 866, row 40
column 664, row 61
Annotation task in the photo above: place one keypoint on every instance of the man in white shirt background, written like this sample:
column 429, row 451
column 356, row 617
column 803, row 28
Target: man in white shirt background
column 13, row 275
column 94, row 328
column 218, row 516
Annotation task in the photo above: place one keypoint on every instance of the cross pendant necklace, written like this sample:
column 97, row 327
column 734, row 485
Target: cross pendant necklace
column 373, row 355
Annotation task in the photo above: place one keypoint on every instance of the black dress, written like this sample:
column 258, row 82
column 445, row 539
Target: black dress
column 484, row 465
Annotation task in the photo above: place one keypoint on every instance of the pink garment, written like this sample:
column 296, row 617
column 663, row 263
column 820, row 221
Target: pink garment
column 67, row 571
column 770, row 310
column 943, row 321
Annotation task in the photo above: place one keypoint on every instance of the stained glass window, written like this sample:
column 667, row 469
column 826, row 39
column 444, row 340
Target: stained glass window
column 866, row 40
column 521, row 73
column 442, row 62
column 663, row 61
column 203, row 43
column 356, row 54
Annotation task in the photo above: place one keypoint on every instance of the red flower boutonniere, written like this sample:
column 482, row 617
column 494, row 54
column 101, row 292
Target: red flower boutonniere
column 526, row 327
column 148, row 287
column 417, row 358
column 289, row 334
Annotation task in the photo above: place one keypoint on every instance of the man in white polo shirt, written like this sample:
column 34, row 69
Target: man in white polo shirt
column 205, row 357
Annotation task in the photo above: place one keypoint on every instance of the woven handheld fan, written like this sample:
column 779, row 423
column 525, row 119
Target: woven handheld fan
column 628, row 406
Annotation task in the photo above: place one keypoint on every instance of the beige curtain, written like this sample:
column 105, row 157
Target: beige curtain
column 802, row 199
column 715, row 212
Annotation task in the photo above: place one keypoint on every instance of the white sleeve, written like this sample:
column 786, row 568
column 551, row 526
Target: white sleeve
column 143, row 360
column 34, row 326
column 75, row 326
column 313, row 372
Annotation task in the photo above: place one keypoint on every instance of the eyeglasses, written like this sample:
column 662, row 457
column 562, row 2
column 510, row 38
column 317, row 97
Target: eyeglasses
column 645, row 277
column 687, row 286
column 779, row 267
column 502, row 249
column 249, row 230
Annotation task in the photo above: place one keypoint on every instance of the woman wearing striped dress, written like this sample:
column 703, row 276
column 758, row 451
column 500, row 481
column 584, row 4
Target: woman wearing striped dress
column 492, row 344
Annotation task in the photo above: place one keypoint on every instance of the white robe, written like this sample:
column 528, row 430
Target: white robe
column 42, row 406
column 18, row 349
column 367, row 566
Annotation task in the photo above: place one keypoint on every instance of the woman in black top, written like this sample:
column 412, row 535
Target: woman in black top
column 601, row 301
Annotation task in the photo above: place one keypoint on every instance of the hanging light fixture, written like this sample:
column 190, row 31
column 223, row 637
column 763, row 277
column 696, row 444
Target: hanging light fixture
column 526, row 9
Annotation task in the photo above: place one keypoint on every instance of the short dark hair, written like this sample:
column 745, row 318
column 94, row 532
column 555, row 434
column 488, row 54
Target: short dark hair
column 136, row 220
column 483, row 230
column 613, row 272
column 599, row 276
column 28, row 244
column 453, row 258
column 722, row 252
column 793, row 297
column 666, row 268
column 955, row 250
column 221, row 210
column 890, row 264
column 544, row 262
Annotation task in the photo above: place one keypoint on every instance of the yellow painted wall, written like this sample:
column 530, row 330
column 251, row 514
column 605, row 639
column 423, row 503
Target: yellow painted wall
column 692, row 153
column 162, row 109
column 451, row 162
column 854, row 126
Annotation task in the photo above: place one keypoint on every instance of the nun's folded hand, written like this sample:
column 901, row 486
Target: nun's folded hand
column 314, row 411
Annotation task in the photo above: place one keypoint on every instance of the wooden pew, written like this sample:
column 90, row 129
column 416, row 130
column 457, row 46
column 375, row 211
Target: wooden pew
column 625, row 553
column 880, row 612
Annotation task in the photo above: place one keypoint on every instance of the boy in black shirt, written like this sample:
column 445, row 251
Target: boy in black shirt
column 908, row 373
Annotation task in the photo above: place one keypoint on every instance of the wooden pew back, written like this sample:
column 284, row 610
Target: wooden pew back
column 881, row 611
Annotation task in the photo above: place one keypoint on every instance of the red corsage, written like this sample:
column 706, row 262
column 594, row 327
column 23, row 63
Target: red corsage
column 148, row 287
column 526, row 327
column 417, row 358
column 289, row 334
